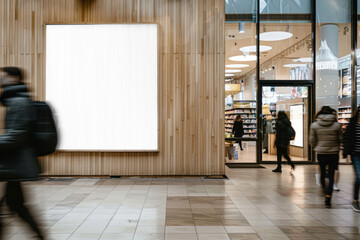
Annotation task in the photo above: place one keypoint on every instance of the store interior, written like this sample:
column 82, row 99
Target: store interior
column 285, row 54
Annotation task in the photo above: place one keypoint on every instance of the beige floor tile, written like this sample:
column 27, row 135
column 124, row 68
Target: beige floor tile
column 150, row 229
column 120, row 229
column 149, row 236
column 180, row 236
column 85, row 236
column 273, row 237
column 244, row 236
column 116, row 236
column 213, row 237
column 58, row 236
column 210, row 229
column 239, row 229
column 180, row 229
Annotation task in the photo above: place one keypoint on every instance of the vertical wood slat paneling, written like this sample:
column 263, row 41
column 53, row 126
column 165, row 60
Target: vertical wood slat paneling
column 191, row 87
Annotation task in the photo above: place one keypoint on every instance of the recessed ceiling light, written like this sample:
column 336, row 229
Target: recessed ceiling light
column 293, row 65
column 229, row 75
column 252, row 48
column 242, row 58
column 303, row 60
column 233, row 70
column 236, row 65
column 275, row 36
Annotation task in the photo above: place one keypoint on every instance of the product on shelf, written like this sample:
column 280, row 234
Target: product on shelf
column 247, row 111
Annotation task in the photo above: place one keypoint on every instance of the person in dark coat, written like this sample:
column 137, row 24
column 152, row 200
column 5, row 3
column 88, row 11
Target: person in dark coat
column 352, row 148
column 18, row 160
column 238, row 129
column 282, row 140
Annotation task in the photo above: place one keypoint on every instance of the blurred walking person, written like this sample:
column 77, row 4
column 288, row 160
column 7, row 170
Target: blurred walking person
column 238, row 129
column 325, row 138
column 352, row 147
column 18, row 161
column 282, row 140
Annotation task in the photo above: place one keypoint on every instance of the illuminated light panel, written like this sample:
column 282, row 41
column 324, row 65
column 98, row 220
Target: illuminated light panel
column 293, row 65
column 229, row 75
column 275, row 36
column 242, row 58
column 236, row 65
column 233, row 70
column 93, row 83
column 263, row 48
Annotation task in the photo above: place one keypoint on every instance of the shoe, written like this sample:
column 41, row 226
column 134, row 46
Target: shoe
column 335, row 187
column 277, row 170
column 292, row 167
column 317, row 178
column 242, row 149
column 328, row 202
column 356, row 207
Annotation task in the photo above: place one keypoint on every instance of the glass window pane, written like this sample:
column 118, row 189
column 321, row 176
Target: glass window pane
column 240, row 90
column 294, row 102
column 290, row 51
column 240, row 7
column 286, row 40
column 285, row 6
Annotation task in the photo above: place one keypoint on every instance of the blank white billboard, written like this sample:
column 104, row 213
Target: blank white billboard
column 102, row 82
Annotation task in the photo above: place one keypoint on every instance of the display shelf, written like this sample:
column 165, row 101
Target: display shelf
column 247, row 112
column 344, row 116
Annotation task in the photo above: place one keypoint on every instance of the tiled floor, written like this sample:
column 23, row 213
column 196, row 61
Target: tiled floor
column 251, row 204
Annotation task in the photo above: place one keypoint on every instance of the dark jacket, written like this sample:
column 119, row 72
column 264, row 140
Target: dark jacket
column 325, row 134
column 238, row 129
column 349, row 137
column 282, row 139
column 18, row 160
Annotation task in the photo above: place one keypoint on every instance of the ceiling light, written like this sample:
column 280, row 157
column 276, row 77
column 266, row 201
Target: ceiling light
column 242, row 58
column 252, row 48
column 303, row 60
column 275, row 36
column 294, row 65
column 236, row 65
column 233, row 70
column 229, row 75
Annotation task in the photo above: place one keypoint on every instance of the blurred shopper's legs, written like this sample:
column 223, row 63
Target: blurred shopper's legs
column 356, row 162
column 15, row 200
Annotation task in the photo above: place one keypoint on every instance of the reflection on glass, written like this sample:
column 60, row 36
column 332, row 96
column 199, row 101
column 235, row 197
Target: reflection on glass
column 333, row 56
column 291, row 54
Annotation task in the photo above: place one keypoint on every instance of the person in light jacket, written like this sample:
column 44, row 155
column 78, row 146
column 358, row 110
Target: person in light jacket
column 325, row 137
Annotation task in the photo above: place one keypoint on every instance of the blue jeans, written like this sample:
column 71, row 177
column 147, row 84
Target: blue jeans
column 356, row 163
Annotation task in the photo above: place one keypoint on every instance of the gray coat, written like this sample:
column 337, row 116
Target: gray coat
column 325, row 134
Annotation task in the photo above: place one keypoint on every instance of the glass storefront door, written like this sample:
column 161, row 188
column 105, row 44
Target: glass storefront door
column 294, row 101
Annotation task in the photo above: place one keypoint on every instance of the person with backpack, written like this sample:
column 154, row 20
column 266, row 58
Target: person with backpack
column 238, row 130
column 352, row 148
column 284, row 133
column 325, row 137
column 18, row 157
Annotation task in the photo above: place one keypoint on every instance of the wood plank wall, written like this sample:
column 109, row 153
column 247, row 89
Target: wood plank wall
column 191, row 78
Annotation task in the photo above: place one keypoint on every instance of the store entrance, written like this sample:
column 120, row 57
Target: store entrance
column 294, row 101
